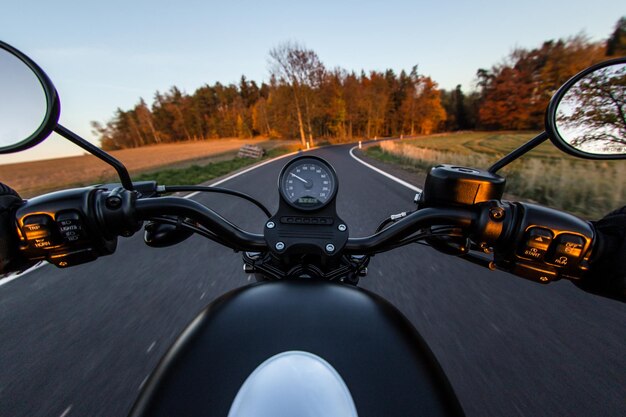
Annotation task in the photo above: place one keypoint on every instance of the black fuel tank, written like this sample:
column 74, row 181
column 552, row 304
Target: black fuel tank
column 386, row 365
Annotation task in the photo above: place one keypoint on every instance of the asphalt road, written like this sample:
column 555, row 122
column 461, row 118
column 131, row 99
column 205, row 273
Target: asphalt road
column 80, row 342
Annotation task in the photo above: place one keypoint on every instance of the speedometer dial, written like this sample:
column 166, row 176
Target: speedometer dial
column 308, row 183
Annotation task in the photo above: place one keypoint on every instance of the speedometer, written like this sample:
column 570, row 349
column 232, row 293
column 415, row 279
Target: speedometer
column 308, row 183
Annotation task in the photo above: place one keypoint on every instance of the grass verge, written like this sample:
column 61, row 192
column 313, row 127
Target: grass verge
column 197, row 174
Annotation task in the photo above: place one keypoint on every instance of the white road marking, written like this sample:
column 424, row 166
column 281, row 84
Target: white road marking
column 67, row 411
column 143, row 383
column 245, row 171
column 151, row 347
column 386, row 174
column 21, row 274
column 39, row 265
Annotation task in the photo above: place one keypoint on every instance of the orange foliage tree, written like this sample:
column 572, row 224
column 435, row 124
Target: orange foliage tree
column 514, row 94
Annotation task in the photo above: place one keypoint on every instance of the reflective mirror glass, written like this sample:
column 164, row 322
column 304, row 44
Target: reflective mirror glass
column 591, row 115
column 22, row 100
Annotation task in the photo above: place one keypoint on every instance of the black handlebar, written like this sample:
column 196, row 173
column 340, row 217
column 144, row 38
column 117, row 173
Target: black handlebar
column 232, row 235
column 415, row 221
column 239, row 239
column 79, row 225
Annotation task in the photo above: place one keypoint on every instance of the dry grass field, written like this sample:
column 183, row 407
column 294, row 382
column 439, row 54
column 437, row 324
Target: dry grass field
column 545, row 175
column 31, row 178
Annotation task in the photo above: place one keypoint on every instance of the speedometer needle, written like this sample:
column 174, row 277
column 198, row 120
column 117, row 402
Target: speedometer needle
column 300, row 178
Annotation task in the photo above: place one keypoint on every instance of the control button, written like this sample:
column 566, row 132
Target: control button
column 534, row 273
column 536, row 244
column 41, row 243
column 567, row 250
column 63, row 260
column 70, row 225
column 38, row 227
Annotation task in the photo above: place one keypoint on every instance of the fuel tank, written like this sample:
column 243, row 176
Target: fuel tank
column 376, row 353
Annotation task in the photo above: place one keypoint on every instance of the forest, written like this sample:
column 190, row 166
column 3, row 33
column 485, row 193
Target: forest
column 305, row 100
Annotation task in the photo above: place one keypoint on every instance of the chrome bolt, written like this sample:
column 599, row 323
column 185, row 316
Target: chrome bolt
column 330, row 248
column 342, row 227
column 280, row 246
column 544, row 279
column 270, row 225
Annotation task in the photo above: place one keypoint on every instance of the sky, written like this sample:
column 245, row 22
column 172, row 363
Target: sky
column 105, row 55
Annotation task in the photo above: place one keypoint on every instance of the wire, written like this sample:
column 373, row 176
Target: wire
column 415, row 238
column 192, row 227
column 392, row 219
column 202, row 188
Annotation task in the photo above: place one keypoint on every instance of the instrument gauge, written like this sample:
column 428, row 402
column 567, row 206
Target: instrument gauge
column 308, row 183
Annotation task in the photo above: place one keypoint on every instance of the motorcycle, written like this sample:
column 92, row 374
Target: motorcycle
column 305, row 339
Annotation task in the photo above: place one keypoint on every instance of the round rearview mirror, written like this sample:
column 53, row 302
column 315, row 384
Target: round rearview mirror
column 29, row 104
column 587, row 116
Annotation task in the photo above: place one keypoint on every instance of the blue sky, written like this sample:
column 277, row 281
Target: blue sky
column 106, row 55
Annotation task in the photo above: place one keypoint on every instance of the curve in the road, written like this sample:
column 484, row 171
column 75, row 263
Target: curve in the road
column 386, row 174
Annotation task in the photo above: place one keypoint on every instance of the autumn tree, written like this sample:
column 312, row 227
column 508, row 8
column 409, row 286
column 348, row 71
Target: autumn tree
column 422, row 106
column 514, row 94
column 303, row 71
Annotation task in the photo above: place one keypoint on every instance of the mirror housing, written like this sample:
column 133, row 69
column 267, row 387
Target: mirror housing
column 568, row 121
column 53, row 106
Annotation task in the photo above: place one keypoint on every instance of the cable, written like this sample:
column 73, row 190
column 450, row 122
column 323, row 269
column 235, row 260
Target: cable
column 194, row 228
column 415, row 238
column 202, row 188
column 392, row 219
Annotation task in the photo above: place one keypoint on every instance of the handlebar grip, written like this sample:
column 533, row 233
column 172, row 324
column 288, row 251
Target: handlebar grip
column 61, row 228
column 542, row 244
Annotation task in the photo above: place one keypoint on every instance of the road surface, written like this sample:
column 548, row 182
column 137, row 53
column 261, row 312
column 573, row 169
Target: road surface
column 81, row 341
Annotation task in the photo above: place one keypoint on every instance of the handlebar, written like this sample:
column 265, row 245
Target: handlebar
column 232, row 235
column 239, row 239
column 410, row 224
column 79, row 225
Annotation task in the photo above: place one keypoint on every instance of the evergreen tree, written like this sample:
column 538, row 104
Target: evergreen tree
column 616, row 44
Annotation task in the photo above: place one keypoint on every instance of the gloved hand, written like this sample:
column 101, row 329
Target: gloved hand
column 607, row 275
column 9, row 201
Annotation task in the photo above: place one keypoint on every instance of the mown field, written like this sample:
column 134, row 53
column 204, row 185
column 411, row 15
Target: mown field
column 193, row 161
column 545, row 175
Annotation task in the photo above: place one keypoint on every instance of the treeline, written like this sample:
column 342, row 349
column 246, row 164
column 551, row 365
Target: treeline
column 303, row 99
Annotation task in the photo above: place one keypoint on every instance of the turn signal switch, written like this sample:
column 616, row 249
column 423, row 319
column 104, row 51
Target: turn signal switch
column 71, row 227
column 547, row 244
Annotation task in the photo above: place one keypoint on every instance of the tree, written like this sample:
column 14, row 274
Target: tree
column 303, row 71
column 458, row 109
column 616, row 44
column 422, row 106
column 145, row 123
column 515, row 93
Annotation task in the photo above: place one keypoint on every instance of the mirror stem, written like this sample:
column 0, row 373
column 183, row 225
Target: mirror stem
column 122, row 172
column 533, row 143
